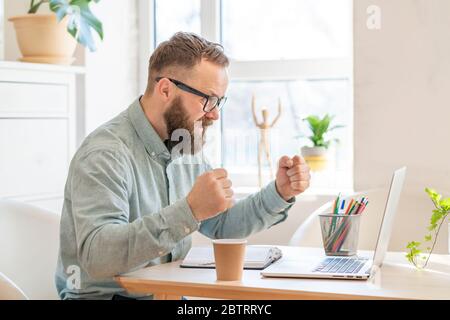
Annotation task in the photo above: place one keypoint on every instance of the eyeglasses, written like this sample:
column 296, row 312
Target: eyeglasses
column 211, row 102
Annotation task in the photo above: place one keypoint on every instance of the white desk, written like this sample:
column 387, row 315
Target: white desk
column 397, row 279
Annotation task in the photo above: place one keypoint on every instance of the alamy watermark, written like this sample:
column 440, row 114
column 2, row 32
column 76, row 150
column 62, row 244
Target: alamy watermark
column 73, row 281
column 373, row 21
column 241, row 145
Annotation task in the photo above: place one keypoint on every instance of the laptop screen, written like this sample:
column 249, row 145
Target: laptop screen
column 389, row 214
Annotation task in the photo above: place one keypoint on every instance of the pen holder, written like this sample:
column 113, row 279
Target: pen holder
column 340, row 234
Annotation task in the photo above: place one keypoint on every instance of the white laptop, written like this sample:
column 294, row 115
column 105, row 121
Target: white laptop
column 337, row 267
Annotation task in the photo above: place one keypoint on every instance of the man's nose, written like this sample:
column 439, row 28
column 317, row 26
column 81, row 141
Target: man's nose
column 214, row 114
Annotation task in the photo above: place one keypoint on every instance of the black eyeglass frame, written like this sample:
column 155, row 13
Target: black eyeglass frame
column 189, row 89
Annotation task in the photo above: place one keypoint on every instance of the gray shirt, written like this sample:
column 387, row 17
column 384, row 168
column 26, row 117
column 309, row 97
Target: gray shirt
column 125, row 208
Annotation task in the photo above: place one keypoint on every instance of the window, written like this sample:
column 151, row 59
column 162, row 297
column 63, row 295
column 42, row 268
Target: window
column 175, row 15
column 288, row 29
column 298, row 51
column 298, row 99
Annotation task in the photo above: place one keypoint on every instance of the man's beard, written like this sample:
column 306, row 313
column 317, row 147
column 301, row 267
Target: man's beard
column 176, row 118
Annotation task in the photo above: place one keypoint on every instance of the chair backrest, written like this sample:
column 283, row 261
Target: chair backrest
column 9, row 291
column 29, row 238
column 309, row 233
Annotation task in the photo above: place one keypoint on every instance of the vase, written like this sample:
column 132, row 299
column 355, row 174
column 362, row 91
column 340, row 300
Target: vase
column 42, row 39
column 315, row 157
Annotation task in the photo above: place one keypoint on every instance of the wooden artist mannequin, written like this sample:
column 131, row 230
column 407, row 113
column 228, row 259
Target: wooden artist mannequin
column 264, row 142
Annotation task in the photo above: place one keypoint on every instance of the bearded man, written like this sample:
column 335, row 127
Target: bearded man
column 129, row 203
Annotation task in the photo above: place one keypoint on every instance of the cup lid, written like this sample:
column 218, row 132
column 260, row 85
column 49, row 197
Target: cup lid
column 230, row 241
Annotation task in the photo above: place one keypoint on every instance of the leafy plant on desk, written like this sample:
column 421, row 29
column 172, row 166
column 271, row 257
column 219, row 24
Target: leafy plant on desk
column 441, row 211
column 319, row 127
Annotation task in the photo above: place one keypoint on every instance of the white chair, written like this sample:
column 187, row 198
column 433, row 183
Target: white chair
column 29, row 238
column 9, row 291
column 309, row 233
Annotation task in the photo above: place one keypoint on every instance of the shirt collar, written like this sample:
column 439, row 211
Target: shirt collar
column 144, row 129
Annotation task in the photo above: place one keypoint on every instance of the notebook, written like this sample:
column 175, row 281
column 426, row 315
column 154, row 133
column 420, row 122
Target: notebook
column 256, row 257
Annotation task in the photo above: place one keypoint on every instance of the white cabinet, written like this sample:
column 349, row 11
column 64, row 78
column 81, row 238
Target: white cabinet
column 37, row 131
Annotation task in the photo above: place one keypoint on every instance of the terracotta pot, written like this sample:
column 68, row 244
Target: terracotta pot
column 315, row 157
column 42, row 39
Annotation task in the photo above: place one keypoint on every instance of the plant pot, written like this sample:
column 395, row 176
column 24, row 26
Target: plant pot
column 315, row 157
column 42, row 39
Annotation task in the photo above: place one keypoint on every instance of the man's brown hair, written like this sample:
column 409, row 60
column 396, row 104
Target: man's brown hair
column 183, row 50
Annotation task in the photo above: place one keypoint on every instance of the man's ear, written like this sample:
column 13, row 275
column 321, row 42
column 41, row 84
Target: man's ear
column 164, row 89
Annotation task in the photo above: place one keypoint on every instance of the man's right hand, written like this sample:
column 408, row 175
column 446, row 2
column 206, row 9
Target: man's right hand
column 211, row 194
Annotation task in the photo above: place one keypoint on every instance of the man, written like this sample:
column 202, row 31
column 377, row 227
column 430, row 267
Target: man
column 129, row 202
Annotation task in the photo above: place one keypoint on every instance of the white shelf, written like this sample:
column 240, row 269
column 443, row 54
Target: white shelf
column 40, row 67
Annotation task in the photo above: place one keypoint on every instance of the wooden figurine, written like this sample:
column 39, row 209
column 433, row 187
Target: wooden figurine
column 264, row 142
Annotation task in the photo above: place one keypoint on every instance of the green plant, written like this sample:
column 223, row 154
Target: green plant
column 319, row 127
column 81, row 19
column 441, row 211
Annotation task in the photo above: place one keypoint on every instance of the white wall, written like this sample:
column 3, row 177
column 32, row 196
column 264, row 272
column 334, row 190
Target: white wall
column 112, row 71
column 12, row 8
column 2, row 28
column 402, row 106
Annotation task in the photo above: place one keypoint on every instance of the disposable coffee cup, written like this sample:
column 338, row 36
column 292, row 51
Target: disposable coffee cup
column 229, row 257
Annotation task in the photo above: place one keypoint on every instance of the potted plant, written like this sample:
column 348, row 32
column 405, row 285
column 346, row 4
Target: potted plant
column 440, row 213
column 50, row 38
column 316, row 155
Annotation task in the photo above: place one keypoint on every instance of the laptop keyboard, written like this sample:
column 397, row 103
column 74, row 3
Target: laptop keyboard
column 340, row 265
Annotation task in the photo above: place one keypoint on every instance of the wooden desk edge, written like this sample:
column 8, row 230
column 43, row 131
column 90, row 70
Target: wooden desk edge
column 164, row 290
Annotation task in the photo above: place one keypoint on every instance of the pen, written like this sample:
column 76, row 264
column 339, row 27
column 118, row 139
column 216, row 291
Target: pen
column 349, row 206
column 343, row 204
column 335, row 212
column 337, row 204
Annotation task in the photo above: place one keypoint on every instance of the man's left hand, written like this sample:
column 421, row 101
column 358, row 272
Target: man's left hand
column 292, row 176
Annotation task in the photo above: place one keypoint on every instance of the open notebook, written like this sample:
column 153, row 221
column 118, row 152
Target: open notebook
column 256, row 257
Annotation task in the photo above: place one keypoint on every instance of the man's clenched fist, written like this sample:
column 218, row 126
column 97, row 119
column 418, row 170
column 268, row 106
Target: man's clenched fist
column 292, row 177
column 211, row 194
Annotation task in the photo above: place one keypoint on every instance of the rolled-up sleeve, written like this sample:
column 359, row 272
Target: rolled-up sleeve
column 107, row 243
